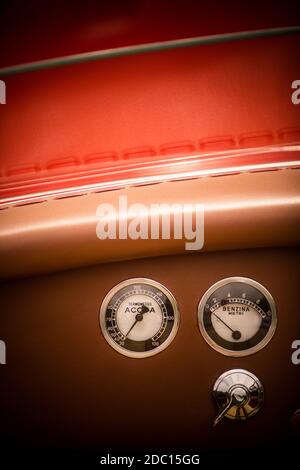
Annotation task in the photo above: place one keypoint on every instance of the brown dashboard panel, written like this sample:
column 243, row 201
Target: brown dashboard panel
column 65, row 387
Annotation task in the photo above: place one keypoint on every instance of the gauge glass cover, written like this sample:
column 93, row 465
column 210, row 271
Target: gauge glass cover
column 139, row 317
column 237, row 316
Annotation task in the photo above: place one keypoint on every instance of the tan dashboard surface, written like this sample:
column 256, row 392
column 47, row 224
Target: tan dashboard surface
column 240, row 211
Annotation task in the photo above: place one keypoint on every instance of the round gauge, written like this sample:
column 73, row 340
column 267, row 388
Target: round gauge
column 139, row 317
column 237, row 316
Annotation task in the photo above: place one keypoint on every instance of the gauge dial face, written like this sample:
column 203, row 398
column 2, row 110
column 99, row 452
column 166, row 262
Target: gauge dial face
column 237, row 316
column 139, row 317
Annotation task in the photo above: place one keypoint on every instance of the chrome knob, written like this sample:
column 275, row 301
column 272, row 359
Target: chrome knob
column 239, row 395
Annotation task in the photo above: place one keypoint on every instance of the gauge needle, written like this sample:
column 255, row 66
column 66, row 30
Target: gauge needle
column 235, row 333
column 139, row 317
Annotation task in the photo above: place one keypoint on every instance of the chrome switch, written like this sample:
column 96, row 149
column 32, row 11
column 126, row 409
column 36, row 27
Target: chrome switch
column 239, row 395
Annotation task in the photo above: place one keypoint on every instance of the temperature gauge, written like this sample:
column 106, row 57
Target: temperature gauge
column 237, row 316
column 139, row 317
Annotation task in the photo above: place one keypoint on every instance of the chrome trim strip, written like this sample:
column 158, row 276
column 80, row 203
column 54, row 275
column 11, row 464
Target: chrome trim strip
column 143, row 48
column 113, row 185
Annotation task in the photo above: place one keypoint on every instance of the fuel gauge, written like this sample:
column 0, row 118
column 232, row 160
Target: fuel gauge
column 237, row 316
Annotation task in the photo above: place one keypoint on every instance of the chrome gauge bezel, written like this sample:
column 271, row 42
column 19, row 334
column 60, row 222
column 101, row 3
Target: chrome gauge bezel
column 201, row 312
column 103, row 309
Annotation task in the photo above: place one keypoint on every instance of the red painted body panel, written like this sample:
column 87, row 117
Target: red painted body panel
column 62, row 125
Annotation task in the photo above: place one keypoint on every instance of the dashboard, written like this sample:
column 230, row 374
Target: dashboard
column 149, row 232
column 83, row 377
